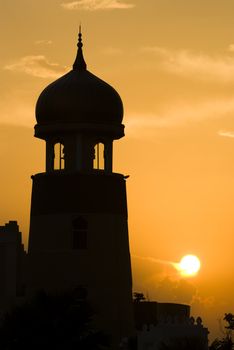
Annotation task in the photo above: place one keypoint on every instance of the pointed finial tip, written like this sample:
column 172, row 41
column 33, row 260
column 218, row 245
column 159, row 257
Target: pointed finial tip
column 79, row 63
column 80, row 44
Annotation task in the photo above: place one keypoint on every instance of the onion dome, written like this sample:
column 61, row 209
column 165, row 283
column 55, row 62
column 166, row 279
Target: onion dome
column 79, row 97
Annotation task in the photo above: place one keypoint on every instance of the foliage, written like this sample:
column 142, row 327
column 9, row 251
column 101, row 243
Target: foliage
column 138, row 297
column 229, row 318
column 51, row 321
column 226, row 343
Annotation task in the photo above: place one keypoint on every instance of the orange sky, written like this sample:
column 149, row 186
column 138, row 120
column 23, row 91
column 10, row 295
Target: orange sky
column 173, row 64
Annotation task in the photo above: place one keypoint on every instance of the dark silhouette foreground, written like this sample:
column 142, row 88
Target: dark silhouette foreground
column 183, row 344
column 226, row 343
column 51, row 321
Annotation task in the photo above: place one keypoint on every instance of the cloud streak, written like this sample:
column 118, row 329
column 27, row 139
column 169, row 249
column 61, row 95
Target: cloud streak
column 95, row 5
column 43, row 42
column 165, row 284
column 112, row 51
column 179, row 115
column 17, row 113
column 226, row 133
column 231, row 48
column 198, row 66
column 153, row 260
column 175, row 265
column 36, row 66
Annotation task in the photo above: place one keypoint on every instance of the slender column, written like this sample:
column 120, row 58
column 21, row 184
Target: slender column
column 79, row 153
column 108, row 154
column 49, row 156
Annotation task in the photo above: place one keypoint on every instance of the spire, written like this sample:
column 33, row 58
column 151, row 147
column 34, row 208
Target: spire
column 79, row 63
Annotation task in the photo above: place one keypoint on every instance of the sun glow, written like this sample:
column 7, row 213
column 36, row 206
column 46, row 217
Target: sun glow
column 189, row 265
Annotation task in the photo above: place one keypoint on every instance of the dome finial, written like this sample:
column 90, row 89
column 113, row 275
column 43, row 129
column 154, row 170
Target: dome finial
column 79, row 63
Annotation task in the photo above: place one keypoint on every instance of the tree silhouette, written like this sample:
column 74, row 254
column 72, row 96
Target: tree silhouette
column 138, row 297
column 51, row 321
column 229, row 318
column 226, row 343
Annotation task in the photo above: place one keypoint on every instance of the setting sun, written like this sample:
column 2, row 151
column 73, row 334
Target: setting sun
column 189, row 265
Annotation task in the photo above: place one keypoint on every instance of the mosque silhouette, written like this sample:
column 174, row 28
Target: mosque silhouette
column 79, row 221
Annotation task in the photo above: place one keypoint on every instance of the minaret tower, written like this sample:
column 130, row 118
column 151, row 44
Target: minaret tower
column 79, row 225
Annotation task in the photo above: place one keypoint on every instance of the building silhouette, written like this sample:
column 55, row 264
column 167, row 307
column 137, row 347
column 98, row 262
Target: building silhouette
column 12, row 264
column 79, row 226
column 79, row 222
column 162, row 326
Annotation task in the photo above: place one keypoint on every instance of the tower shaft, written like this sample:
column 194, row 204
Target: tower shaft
column 95, row 256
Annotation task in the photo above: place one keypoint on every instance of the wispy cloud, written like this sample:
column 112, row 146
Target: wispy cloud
column 162, row 279
column 17, row 112
column 231, row 48
column 195, row 65
column 178, row 115
column 43, row 42
column 226, row 133
column 175, row 265
column 112, row 51
column 37, row 66
column 153, row 260
column 94, row 5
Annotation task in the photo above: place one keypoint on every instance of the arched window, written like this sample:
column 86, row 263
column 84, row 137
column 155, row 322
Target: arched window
column 59, row 163
column 79, row 235
column 99, row 156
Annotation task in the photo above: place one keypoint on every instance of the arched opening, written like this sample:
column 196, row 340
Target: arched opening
column 79, row 233
column 59, row 159
column 99, row 156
